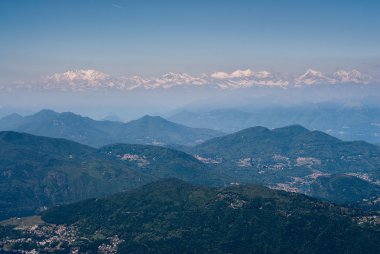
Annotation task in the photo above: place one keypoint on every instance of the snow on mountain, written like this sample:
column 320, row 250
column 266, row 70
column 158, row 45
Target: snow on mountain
column 353, row 76
column 220, row 75
column 91, row 79
column 263, row 74
column 78, row 80
column 246, row 78
column 81, row 80
column 89, row 75
column 130, row 83
column 249, row 82
column 174, row 79
column 241, row 74
column 311, row 77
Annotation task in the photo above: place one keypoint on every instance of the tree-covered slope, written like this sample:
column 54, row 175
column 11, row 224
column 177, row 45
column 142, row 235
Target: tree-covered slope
column 343, row 188
column 291, row 158
column 38, row 172
column 291, row 147
column 163, row 162
column 171, row 216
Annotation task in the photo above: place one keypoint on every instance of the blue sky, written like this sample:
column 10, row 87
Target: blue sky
column 152, row 37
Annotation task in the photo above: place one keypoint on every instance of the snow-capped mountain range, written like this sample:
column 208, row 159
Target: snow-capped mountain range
column 81, row 80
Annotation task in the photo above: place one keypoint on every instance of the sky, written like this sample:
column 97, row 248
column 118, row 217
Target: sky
column 153, row 37
column 95, row 41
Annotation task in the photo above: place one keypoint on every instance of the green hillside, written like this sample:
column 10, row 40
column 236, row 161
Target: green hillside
column 38, row 172
column 343, row 188
column 293, row 159
column 163, row 162
column 171, row 216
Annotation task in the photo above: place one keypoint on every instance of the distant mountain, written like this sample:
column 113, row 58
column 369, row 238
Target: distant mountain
column 146, row 130
column 90, row 79
column 38, row 172
column 65, row 125
column 289, row 158
column 226, row 120
column 158, row 131
column 171, row 216
column 5, row 111
column 112, row 118
column 10, row 121
column 357, row 122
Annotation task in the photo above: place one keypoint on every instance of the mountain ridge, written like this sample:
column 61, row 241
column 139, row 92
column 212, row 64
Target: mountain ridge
column 342, row 121
column 174, row 216
column 38, row 172
column 289, row 158
column 145, row 130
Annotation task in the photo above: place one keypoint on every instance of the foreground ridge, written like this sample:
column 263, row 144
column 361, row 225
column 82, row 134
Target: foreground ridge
column 171, row 216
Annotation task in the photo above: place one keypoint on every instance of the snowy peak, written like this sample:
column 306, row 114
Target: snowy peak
column 353, row 76
column 240, row 74
column 82, row 80
column 311, row 77
column 247, row 78
column 171, row 79
column 78, row 80
column 79, row 75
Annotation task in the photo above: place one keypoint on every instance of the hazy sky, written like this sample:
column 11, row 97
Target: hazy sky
column 142, row 37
